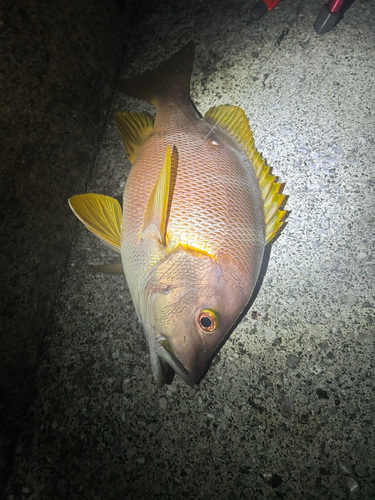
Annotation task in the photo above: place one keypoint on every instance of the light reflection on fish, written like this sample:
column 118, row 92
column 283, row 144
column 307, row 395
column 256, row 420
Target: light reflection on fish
column 199, row 207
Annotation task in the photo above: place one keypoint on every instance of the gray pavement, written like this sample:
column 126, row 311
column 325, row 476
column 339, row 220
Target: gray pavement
column 287, row 409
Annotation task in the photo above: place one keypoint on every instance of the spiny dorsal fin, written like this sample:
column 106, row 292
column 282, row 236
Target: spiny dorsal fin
column 134, row 129
column 101, row 215
column 234, row 121
column 159, row 203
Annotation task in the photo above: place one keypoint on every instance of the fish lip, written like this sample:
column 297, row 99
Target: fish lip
column 158, row 368
column 165, row 352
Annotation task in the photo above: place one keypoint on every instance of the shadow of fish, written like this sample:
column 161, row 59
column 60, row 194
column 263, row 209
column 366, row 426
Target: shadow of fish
column 199, row 207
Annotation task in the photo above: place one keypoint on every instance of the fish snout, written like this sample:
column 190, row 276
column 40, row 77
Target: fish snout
column 165, row 353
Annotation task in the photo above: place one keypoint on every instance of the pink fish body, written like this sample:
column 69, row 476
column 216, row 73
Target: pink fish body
column 199, row 207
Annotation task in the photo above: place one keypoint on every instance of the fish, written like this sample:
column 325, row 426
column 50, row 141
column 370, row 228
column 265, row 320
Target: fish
column 200, row 205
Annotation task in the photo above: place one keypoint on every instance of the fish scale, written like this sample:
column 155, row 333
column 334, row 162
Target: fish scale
column 202, row 214
column 199, row 206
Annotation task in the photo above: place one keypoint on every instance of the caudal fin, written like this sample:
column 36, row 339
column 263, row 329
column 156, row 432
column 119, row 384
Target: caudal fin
column 171, row 75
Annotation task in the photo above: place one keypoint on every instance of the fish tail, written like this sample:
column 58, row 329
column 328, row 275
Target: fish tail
column 172, row 75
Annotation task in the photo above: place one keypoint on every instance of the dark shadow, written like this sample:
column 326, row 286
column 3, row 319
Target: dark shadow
column 345, row 6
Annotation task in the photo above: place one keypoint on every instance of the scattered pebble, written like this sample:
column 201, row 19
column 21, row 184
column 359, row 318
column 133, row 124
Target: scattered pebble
column 345, row 467
column 276, row 481
column 163, row 403
column 361, row 470
column 322, row 394
column 204, row 451
column 362, row 452
column 312, row 431
column 287, row 406
column 351, row 409
column 315, row 330
column 330, row 159
column 347, row 299
column 352, row 485
column 316, row 369
column 292, row 361
column 269, row 334
column 181, row 442
column 302, row 399
column 137, row 372
column 266, row 475
column 227, row 411
column 370, row 270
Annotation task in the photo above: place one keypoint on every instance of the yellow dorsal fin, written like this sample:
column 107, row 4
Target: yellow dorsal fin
column 101, row 215
column 159, row 203
column 134, row 129
column 234, row 121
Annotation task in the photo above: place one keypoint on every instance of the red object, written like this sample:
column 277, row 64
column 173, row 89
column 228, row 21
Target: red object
column 261, row 8
column 271, row 3
column 329, row 15
column 334, row 5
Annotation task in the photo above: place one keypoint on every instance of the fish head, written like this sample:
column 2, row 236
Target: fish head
column 190, row 303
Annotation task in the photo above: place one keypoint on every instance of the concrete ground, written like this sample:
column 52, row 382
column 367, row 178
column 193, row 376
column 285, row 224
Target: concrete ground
column 287, row 408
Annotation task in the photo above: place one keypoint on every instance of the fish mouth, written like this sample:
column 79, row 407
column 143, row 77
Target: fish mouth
column 164, row 352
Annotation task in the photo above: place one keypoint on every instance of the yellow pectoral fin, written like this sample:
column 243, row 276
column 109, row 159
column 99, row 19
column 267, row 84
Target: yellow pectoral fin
column 101, row 215
column 134, row 129
column 159, row 203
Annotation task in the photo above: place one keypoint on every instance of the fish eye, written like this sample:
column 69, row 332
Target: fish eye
column 208, row 320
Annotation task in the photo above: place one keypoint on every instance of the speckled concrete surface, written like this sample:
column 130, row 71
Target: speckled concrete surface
column 58, row 61
column 287, row 408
